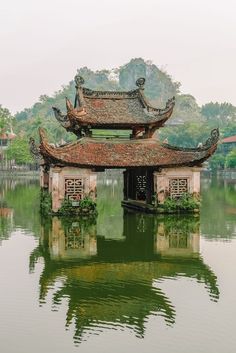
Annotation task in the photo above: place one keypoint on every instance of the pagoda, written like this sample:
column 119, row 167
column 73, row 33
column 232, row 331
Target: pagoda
column 153, row 170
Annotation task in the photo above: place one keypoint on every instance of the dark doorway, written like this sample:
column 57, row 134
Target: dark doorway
column 138, row 184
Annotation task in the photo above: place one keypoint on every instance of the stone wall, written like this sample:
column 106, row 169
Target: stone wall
column 74, row 183
column 78, row 240
column 178, row 243
column 176, row 180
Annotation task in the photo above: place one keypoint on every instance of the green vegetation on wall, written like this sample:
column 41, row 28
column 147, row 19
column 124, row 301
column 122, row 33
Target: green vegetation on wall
column 85, row 207
column 185, row 203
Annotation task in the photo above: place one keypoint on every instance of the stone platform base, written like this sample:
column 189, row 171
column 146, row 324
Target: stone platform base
column 139, row 206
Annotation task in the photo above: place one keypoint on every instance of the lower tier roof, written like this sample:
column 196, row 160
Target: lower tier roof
column 117, row 153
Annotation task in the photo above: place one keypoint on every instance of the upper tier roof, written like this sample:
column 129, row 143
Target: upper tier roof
column 92, row 153
column 113, row 109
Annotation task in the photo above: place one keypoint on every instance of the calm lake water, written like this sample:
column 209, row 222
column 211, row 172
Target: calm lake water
column 124, row 282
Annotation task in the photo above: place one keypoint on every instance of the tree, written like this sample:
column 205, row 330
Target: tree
column 23, row 115
column 159, row 86
column 222, row 113
column 186, row 109
column 19, row 151
column 229, row 129
column 217, row 161
column 5, row 118
column 189, row 134
column 231, row 159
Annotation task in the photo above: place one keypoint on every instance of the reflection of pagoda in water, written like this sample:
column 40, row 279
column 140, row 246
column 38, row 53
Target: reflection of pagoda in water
column 6, row 220
column 69, row 241
column 109, row 283
column 178, row 238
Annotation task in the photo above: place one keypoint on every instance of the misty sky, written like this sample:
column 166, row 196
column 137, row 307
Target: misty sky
column 42, row 43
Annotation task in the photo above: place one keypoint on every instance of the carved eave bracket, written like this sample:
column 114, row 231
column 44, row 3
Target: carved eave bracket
column 79, row 81
column 157, row 111
column 209, row 145
column 212, row 140
column 75, row 112
column 70, row 121
column 140, row 83
column 61, row 118
column 69, row 105
column 34, row 149
column 79, row 99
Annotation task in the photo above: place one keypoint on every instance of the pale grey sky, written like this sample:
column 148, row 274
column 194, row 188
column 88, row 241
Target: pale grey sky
column 42, row 43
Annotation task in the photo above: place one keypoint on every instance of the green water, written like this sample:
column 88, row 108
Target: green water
column 124, row 282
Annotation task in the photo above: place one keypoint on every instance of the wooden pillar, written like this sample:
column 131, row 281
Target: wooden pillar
column 130, row 184
column 44, row 177
column 125, row 188
column 149, row 186
column 56, row 201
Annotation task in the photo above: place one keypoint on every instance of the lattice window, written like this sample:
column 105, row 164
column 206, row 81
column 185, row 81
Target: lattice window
column 74, row 239
column 178, row 187
column 74, row 188
column 141, row 185
column 141, row 225
column 178, row 241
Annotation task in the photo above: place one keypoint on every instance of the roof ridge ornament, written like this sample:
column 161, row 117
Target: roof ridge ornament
column 79, row 81
column 208, row 144
column 212, row 140
column 140, row 82
column 170, row 102
column 34, row 149
column 69, row 105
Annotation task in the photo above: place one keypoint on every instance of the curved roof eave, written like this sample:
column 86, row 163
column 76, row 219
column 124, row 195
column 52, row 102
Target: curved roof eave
column 147, row 153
